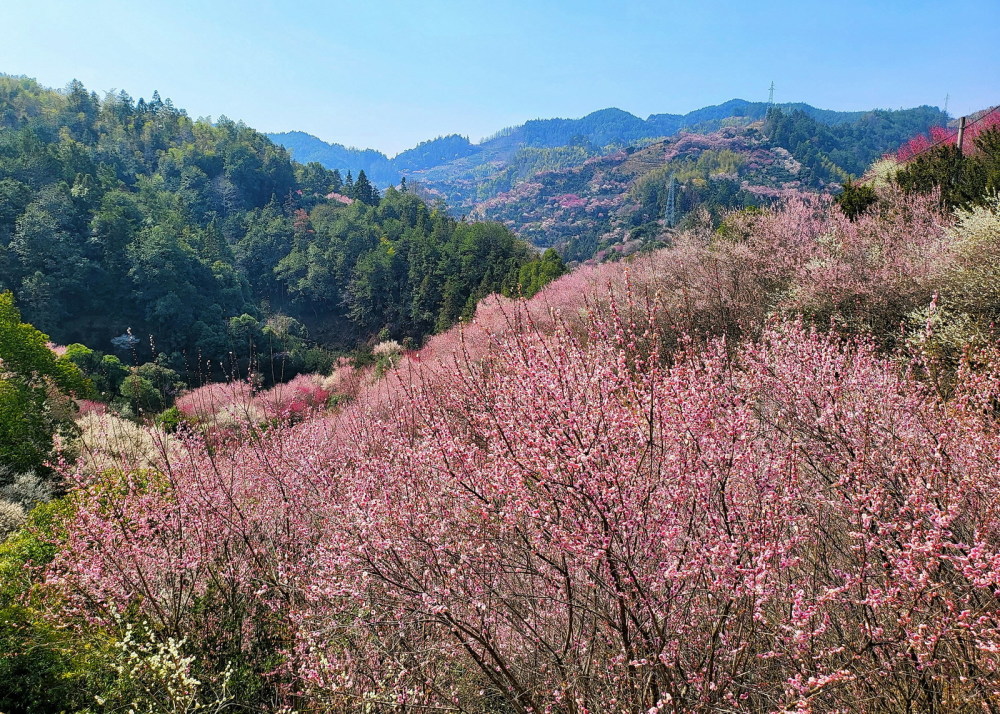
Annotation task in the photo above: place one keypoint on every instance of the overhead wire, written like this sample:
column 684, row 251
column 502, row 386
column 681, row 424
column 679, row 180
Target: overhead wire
column 943, row 140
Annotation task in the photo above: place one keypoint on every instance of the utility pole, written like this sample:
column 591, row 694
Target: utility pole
column 961, row 134
column 670, row 213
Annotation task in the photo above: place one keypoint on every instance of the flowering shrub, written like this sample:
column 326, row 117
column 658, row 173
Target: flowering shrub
column 152, row 677
column 340, row 198
column 87, row 406
column 303, row 395
column 25, row 489
column 11, row 517
column 346, row 380
column 666, row 485
column 204, row 402
column 795, row 526
column 569, row 200
column 107, row 441
column 941, row 135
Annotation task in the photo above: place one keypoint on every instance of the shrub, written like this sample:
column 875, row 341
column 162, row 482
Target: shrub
column 27, row 489
column 11, row 518
column 728, row 531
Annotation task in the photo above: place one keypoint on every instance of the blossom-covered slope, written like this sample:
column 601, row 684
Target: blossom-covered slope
column 744, row 473
column 620, row 201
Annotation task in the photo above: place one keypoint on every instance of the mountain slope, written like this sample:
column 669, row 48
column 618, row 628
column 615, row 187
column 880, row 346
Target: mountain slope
column 606, row 127
column 570, row 183
column 126, row 225
column 306, row 148
column 620, row 202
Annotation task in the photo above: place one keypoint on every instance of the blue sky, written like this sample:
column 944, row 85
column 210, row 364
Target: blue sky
column 386, row 74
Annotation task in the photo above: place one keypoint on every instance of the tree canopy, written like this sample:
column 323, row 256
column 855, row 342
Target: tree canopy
column 33, row 382
column 121, row 216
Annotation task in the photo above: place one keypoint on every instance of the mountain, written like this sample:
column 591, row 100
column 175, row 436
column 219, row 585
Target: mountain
column 602, row 128
column 128, row 227
column 434, row 152
column 707, row 118
column 620, row 202
column 615, row 204
column 464, row 174
column 306, row 148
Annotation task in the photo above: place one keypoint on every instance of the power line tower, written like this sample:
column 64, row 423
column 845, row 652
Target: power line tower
column 670, row 211
column 770, row 95
column 946, row 98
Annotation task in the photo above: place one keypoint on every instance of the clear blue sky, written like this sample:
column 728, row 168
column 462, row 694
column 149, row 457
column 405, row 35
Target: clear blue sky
column 387, row 74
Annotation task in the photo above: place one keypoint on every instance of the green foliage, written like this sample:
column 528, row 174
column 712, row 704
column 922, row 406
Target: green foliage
column 364, row 191
column 526, row 162
column 151, row 674
column 121, row 216
column 32, row 380
column 169, row 419
column 855, row 199
column 397, row 266
column 538, row 273
column 44, row 668
column 835, row 152
column 964, row 180
column 316, row 360
column 141, row 395
column 106, row 372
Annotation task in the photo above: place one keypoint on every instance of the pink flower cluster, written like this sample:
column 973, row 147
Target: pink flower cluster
column 691, row 145
column 569, row 200
column 87, row 406
column 303, row 395
column 940, row 135
column 791, row 527
column 205, row 402
column 221, row 406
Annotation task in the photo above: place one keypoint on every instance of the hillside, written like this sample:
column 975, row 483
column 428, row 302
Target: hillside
column 305, row 148
column 131, row 228
column 612, row 205
column 517, row 174
column 599, row 129
column 752, row 471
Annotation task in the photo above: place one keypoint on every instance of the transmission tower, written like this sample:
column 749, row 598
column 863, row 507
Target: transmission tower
column 670, row 211
column 770, row 95
column 946, row 98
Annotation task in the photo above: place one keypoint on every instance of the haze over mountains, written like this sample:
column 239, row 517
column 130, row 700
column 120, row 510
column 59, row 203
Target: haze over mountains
column 597, row 130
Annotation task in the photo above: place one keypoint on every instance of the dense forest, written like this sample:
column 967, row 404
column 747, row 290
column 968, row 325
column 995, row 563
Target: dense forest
column 133, row 229
column 836, row 152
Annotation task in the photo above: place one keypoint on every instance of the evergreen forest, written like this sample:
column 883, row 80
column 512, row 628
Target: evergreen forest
column 129, row 227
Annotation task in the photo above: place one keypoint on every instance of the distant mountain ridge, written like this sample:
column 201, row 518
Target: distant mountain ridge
column 306, row 148
column 522, row 175
column 611, row 126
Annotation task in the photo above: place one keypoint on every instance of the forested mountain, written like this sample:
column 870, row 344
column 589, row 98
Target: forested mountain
column 434, row 152
column 543, row 178
column 129, row 227
column 600, row 128
column 462, row 172
column 306, row 148
column 610, row 205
